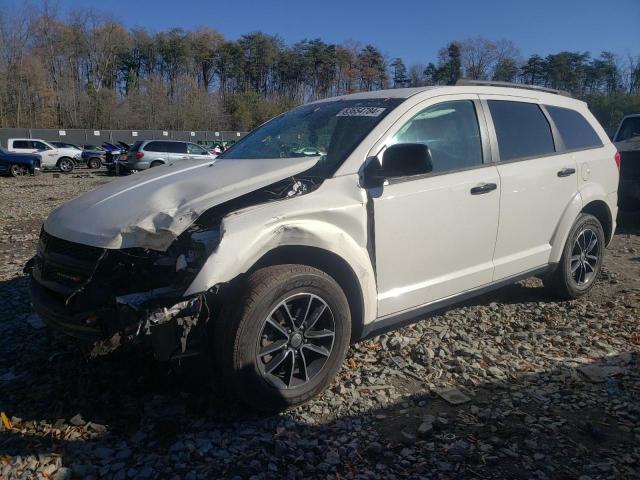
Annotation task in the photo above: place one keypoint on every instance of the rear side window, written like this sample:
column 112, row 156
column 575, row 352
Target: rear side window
column 156, row 147
column 176, row 147
column 22, row 144
column 574, row 129
column 522, row 130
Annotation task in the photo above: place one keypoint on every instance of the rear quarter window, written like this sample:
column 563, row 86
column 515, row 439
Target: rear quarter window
column 522, row 130
column 575, row 130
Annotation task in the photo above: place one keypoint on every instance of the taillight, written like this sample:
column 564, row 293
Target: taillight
column 139, row 155
column 617, row 159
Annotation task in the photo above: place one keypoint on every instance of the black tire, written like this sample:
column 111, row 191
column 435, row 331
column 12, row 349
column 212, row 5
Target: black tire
column 94, row 163
column 17, row 170
column 568, row 281
column 155, row 164
column 241, row 332
column 66, row 165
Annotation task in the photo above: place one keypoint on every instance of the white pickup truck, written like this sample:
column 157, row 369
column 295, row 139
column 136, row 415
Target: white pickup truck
column 64, row 159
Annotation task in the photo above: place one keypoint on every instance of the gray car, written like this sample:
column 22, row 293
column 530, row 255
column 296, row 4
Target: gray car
column 153, row 153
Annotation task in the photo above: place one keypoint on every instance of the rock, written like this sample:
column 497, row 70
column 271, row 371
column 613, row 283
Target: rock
column 425, row 429
column 35, row 321
column 597, row 373
column 77, row 420
column 453, row 396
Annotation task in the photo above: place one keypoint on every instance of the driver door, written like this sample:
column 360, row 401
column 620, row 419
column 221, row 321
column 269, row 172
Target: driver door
column 48, row 155
column 435, row 233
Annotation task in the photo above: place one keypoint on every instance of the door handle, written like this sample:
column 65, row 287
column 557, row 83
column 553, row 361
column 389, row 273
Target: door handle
column 565, row 172
column 484, row 188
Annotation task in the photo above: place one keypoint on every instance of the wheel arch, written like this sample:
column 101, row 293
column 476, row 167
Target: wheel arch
column 330, row 263
column 600, row 210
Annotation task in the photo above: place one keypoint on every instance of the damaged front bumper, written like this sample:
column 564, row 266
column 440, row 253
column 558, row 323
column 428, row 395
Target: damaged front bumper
column 91, row 294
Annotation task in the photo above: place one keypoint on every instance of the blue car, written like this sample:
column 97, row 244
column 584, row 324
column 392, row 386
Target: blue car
column 18, row 164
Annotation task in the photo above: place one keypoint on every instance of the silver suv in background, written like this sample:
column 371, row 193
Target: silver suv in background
column 152, row 153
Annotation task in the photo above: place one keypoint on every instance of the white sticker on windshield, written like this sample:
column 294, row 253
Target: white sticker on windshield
column 360, row 112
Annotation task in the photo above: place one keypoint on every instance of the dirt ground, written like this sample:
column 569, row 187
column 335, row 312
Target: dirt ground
column 547, row 388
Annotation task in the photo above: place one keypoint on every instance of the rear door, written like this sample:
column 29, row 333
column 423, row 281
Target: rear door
column 435, row 233
column 538, row 182
column 155, row 151
column 177, row 151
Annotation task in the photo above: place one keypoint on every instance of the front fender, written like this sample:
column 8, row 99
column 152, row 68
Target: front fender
column 248, row 235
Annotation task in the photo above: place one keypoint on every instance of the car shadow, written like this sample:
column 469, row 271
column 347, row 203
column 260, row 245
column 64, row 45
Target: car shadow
column 172, row 415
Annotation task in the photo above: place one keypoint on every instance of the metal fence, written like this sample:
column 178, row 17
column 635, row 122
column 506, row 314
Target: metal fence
column 96, row 137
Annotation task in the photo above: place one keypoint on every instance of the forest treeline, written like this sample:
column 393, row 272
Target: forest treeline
column 87, row 70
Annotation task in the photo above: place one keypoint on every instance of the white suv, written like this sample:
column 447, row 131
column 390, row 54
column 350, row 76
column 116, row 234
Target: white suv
column 272, row 261
column 64, row 159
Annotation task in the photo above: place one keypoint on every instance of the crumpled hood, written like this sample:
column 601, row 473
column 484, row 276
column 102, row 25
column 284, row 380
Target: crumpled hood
column 150, row 209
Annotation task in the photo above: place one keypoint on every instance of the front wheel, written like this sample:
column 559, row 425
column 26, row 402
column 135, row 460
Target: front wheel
column 285, row 340
column 65, row 165
column 581, row 260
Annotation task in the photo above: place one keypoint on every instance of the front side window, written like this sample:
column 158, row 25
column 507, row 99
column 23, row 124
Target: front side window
column 574, row 129
column 451, row 132
column 331, row 129
column 193, row 149
column 522, row 130
column 40, row 146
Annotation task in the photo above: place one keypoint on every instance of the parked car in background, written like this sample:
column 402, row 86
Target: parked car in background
column 272, row 262
column 153, row 153
column 18, row 164
column 64, row 159
column 65, row 145
column 627, row 141
column 93, row 158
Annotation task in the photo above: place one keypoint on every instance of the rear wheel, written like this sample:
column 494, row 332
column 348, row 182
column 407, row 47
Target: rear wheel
column 18, row 170
column 65, row 165
column 285, row 340
column 94, row 163
column 155, row 164
column 581, row 260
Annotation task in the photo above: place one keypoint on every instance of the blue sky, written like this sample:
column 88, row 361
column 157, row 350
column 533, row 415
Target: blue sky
column 413, row 30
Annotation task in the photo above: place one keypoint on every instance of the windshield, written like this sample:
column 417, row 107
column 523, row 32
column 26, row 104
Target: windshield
column 630, row 129
column 329, row 130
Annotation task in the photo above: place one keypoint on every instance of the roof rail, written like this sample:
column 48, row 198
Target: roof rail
column 494, row 83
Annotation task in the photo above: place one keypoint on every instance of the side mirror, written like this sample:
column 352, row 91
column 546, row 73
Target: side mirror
column 405, row 159
column 400, row 160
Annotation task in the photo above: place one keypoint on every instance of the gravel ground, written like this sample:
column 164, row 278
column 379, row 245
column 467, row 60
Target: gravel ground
column 547, row 389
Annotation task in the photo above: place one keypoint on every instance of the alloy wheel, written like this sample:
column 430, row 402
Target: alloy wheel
column 584, row 257
column 18, row 171
column 66, row 165
column 296, row 341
